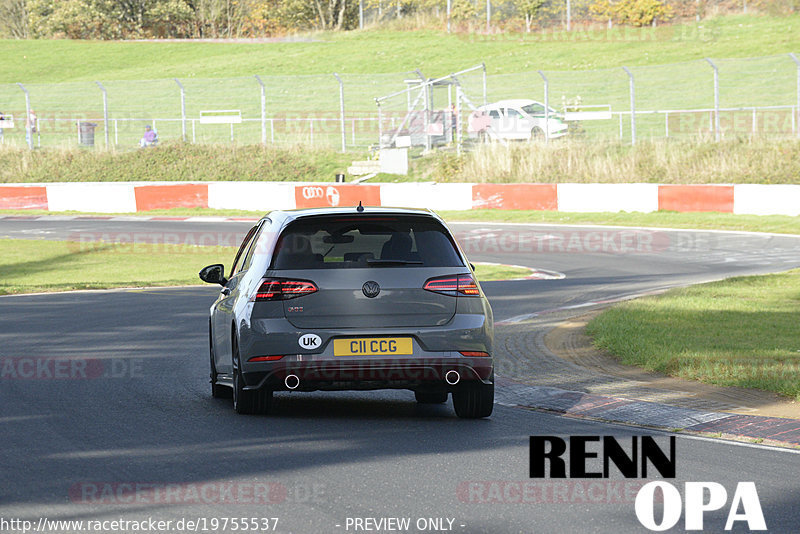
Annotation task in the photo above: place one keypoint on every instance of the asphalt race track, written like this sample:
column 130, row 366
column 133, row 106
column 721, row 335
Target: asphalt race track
column 133, row 433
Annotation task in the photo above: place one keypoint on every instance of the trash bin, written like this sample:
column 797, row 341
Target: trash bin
column 86, row 133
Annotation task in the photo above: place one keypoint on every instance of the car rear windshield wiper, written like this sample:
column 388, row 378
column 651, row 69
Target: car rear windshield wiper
column 375, row 261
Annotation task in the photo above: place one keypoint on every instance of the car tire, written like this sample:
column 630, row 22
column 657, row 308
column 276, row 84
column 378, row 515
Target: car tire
column 537, row 134
column 248, row 402
column 431, row 396
column 483, row 137
column 474, row 400
column 217, row 391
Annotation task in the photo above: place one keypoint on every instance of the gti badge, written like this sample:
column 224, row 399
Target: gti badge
column 371, row 289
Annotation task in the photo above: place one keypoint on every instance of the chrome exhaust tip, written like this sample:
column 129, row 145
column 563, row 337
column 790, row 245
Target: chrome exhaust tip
column 291, row 381
column 452, row 377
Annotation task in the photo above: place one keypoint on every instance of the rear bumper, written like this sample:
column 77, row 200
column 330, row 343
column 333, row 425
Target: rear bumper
column 267, row 337
column 372, row 373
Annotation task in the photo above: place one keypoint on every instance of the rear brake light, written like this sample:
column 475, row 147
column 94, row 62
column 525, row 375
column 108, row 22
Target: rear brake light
column 474, row 354
column 281, row 289
column 454, row 285
column 265, row 358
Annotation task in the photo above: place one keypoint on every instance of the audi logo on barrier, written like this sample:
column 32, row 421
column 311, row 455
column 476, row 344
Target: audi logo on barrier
column 312, row 191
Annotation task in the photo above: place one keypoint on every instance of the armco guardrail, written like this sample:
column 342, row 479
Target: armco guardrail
column 128, row 197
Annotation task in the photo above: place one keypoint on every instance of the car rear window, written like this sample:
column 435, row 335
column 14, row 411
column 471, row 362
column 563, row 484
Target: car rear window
column 365, row 241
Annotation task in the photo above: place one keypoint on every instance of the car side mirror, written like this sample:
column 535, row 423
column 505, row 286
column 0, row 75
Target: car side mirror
column 214, row 274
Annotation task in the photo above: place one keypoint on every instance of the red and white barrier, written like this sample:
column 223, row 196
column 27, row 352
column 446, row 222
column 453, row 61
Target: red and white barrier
column 587, row 198
column 753, row 199
column 125, row 197
column 23, row 197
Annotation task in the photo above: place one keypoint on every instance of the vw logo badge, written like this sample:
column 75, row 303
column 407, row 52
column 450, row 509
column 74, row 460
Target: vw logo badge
column 371, row 289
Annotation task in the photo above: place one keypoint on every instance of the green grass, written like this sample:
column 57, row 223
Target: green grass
column 34, row 266
column 738, row 332
column 495, row 271
column 667, row 63
column 384, row 51
column 663, row 161
column 173, row 162
column 779, row 224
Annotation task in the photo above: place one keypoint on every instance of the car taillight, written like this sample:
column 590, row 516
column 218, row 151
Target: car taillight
column 454, row 285
column 474, row 354
column 281, row 289
column 265, row 358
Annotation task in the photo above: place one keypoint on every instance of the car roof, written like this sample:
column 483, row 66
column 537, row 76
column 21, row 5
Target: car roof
column 516, row 102
column 286, row 216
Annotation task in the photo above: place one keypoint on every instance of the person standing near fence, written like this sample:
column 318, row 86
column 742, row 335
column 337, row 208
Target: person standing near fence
column 150, row 137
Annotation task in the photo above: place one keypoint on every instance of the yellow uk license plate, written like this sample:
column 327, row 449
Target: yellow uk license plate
column 373, row 346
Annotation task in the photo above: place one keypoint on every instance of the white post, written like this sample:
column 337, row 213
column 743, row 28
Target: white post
column 633, row 105
column 797, row 109
column 341, row 111
column 569, row 16
column 458, row 120
column 183, row 110
column 448, row 15
column 546, row 107
column 28, row 132
column 263, row 111
column 717, row 132
column 485, row 101
column 105, row 110
column 380, row 124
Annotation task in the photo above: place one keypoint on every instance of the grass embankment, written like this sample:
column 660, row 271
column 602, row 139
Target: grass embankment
column 33, row 266
column 666, row 161
column 379, row 50
column 172, row 162
column 667, row 63
column 738, row 332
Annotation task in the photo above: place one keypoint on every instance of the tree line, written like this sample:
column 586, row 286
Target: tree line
column 143, row 19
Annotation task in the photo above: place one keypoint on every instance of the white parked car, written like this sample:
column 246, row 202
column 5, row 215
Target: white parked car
column 517, row 119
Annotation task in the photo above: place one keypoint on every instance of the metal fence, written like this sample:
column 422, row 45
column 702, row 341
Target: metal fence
column 718, row 98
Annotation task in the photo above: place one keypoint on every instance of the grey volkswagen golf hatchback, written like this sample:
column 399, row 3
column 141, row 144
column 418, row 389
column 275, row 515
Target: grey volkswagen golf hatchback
column 351, row 298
